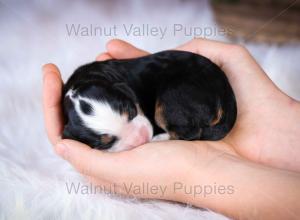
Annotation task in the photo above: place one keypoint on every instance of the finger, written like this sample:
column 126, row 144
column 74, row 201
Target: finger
column 244, row 74
column 211, row 49
column 233, row 59
column 122, row 50
column 91, row 162
column 103, row 57
column 52, row 92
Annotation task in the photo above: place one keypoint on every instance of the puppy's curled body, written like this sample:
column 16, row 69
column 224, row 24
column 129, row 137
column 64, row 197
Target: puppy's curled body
column 181, row 93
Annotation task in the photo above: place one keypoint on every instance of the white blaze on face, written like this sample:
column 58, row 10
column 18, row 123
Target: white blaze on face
column 104, row 120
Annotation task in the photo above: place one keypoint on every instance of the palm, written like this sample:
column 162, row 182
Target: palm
column 266, row 132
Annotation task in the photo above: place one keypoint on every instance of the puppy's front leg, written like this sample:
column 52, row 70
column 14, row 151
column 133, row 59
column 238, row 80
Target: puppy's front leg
column 161, row 137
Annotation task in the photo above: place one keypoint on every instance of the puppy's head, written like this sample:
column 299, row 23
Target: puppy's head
column 105, row 116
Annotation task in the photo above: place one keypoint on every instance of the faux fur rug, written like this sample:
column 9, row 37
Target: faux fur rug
column 33, row 180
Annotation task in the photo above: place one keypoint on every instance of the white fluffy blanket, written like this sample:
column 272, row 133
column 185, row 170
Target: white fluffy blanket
column 32, row 178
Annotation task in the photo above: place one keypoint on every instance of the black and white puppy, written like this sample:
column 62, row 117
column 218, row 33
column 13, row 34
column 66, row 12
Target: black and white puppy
column 121, row 104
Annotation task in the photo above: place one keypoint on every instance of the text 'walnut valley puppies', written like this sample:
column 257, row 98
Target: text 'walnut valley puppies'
column 121, row 104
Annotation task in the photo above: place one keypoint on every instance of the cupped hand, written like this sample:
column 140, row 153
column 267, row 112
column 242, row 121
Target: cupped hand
column 266, row 130
column 268, row 123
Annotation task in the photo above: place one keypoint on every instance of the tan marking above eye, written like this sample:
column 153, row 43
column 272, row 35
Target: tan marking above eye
column 106, row 138
column 159, row 116
column 125, row 114
column 218, row 117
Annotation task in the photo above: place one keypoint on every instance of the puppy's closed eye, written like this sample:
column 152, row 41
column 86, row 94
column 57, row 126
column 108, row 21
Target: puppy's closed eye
column 85, row 107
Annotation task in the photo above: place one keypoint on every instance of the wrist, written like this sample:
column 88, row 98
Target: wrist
column 201, row 176
column 241, row 189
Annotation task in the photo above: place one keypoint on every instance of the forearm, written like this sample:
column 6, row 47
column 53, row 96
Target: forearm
column 251, row 191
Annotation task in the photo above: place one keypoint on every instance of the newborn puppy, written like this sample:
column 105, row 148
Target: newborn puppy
column 121, row 104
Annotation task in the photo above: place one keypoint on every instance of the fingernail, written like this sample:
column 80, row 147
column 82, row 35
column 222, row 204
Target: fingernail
column 61, row 150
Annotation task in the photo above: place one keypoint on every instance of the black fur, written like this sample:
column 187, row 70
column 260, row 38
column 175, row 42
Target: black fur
column 190, row 88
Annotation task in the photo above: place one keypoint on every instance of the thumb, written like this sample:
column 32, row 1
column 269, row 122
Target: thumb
column 122, row 50
column 88, row 161
column 52, row 92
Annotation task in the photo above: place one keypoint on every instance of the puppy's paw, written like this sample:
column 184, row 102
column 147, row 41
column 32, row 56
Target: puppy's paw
column 161, row 137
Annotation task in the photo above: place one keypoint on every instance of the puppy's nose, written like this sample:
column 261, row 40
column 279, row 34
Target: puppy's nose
column 140, row 136
column 135, row 137
column 138, row 132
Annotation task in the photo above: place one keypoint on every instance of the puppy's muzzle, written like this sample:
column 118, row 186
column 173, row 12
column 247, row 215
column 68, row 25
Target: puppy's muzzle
column 139, row 131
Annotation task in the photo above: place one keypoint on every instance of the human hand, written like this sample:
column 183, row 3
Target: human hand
column 142, row 165
column 266, row 130
column 162, row 164
column 268, row 123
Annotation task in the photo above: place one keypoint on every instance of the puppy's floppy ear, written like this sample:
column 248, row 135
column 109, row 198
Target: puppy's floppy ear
column 125, row 89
